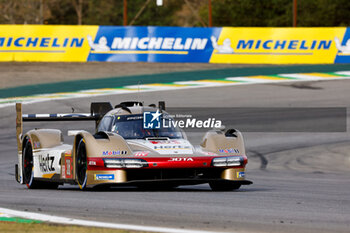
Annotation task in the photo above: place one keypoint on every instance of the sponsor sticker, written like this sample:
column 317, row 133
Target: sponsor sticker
column 165, row 142
column 69, row 168
column 180, row 160
column 229, row 150
column 209, row 153
column 114, row 152
column 141, row 153
column 68, row 153
column 64, row 172
column 240, row 174
column 92, row 163
column 167, row 147
column 46, row 163
column 37, row 145
column 104, row 176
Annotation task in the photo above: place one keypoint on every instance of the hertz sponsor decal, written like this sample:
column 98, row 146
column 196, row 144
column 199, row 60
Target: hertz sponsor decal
column 276, row 45
column 45, row 43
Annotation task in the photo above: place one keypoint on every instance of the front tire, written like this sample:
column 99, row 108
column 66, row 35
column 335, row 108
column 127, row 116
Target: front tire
column 223, row 186
column 81, row 164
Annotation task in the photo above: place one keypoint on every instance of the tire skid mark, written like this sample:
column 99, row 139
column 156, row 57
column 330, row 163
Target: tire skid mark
column 263, row 159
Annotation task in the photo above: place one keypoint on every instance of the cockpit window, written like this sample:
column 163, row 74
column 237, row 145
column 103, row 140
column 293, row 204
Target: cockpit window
column 105, row 124
column 131, row 127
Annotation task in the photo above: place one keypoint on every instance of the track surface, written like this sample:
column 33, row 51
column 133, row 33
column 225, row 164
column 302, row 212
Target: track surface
column 301, row 180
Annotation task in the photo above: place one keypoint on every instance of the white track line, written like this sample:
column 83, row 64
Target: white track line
column 343, row 73
column 302, row 77
column 87, row 223
column 247, row 80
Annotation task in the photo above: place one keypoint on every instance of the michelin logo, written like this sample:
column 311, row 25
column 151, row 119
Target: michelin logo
column 225, row 48
column 101, row 46
column 343, row 49
column 104, row 176
column 151, row 120
column 148, row 43
column 41, row 42
column 240, row 174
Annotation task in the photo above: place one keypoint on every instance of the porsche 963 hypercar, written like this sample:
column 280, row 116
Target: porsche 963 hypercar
column 124, row 151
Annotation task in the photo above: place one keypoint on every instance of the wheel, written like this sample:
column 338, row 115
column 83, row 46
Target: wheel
column 223, row 186
column 28, row 166
column 28, row 170
column 81, row 164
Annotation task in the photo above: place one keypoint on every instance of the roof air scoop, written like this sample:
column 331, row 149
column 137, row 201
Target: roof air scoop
column 131, row 103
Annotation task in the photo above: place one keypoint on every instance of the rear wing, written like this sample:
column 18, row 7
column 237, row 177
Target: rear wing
column 97, row 111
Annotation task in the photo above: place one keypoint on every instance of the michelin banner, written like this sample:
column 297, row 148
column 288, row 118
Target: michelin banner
column 174, row 44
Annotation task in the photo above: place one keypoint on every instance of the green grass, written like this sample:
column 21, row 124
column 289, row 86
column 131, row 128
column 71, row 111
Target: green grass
column 17, row 227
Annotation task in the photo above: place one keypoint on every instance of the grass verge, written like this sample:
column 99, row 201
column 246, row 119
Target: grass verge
column 17, row 227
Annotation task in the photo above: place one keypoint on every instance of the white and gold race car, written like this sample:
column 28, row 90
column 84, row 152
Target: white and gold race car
column 127, row 150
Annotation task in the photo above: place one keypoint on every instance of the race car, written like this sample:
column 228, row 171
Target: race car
column 124, row 150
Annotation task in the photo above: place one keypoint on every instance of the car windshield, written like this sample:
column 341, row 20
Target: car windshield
column 131, row 127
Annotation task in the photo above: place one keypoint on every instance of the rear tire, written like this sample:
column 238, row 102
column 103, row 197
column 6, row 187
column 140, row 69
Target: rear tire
column 223, row 186
column 81, row 165
column 28, row 170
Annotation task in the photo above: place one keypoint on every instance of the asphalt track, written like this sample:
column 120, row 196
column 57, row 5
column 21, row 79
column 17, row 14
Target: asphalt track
column 301, row 180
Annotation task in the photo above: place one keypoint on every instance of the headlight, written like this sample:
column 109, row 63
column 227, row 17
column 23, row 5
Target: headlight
column 233, row 161
column 125, row 163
